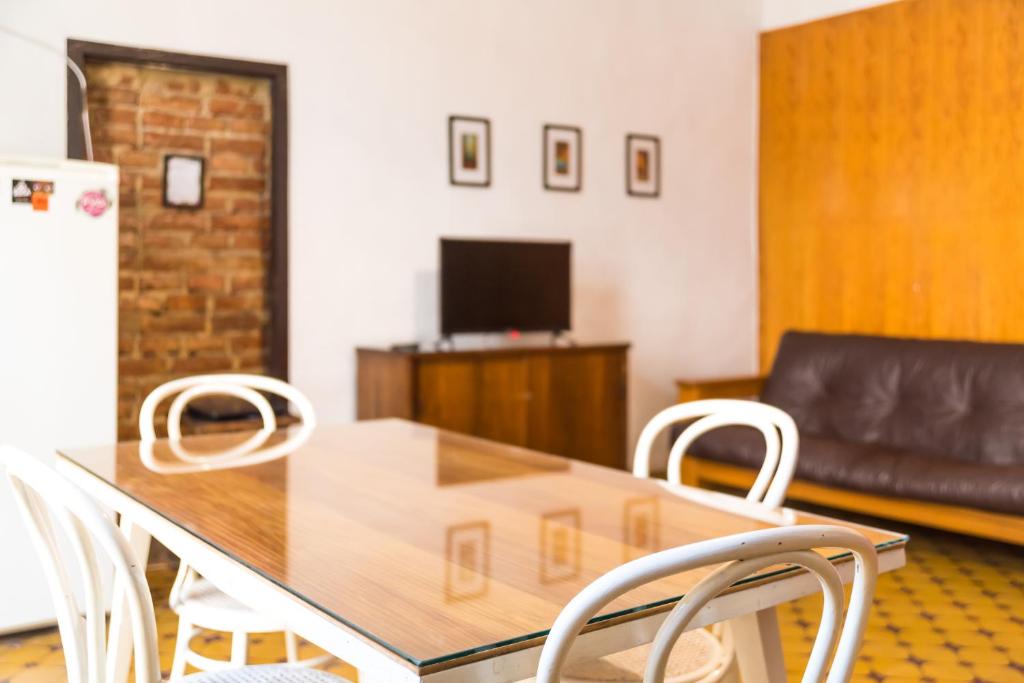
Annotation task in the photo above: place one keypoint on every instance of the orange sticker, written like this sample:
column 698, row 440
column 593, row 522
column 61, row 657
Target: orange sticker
column 40, row 201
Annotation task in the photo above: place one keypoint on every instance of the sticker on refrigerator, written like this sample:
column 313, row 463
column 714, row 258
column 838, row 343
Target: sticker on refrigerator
column 34, row 192
column 93, row 202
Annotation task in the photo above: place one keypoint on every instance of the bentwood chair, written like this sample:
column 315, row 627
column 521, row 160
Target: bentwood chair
column 56, row 510
column 704, row 655
column 745, row 554
column 782, row 441
column 197, row 602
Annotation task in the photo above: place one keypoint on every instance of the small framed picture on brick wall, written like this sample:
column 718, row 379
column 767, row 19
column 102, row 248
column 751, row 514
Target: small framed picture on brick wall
column 183, row 181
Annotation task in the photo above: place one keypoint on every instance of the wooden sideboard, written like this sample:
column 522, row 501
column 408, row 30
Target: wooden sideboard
column 569, row 401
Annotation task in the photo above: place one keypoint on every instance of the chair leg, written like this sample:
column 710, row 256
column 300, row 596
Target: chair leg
column 181, row 649
column 239, row 648
column 291, row 647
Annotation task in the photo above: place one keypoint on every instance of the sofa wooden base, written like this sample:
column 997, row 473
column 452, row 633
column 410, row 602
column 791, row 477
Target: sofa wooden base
column 993, row 525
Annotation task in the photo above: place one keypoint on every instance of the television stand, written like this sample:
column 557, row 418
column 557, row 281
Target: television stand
column 566, row 400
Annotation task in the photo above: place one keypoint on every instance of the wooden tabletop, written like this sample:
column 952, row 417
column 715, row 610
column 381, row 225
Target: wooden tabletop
column 435, row 545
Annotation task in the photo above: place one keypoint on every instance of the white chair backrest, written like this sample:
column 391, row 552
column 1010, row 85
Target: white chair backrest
column 746, row 554
column 44, row 497
column 246, row 387
column 782, row 441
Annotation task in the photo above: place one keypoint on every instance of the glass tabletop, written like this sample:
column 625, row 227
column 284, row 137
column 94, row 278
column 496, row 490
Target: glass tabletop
column 433, row 544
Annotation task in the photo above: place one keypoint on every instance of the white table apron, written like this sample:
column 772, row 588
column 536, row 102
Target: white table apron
column 751, row 610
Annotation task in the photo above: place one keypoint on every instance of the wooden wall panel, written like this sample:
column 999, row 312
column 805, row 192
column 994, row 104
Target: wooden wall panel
column 892, row 173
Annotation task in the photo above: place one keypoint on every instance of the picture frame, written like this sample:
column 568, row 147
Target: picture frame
column 643, row 165
column 641, row 528
column 563, row 158
column 469, row 151
column 561, row 550
column 468, row 568
column 184, row 178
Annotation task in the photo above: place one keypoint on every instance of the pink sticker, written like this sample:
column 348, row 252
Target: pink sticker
column 94, row 202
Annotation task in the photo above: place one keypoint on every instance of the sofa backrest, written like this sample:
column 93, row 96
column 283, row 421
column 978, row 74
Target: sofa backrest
column 952, row 399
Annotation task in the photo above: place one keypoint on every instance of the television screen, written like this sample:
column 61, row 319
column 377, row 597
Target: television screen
column 491, row 286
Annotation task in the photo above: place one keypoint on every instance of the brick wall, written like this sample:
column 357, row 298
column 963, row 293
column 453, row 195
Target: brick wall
column 192, row 282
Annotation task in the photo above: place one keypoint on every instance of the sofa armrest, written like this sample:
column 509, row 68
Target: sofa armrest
column 732, row 387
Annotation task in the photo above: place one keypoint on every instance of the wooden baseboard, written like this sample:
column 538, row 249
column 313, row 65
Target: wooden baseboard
column 964, row 520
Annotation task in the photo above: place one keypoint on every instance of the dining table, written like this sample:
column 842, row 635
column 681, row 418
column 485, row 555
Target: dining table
column 418, row 554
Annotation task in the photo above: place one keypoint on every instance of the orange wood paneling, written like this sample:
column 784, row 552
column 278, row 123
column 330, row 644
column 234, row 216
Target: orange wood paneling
column 892, row 173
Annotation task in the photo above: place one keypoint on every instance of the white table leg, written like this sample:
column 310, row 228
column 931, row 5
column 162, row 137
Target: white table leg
column 759, row 647
column 119, row 642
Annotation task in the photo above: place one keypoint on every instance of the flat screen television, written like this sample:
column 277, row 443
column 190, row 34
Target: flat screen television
column 496, row 286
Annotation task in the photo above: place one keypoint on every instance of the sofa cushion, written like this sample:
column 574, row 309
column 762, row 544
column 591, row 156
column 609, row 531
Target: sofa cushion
column 879, row 470
column 957, row 401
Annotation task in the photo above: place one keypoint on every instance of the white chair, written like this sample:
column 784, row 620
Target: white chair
column 197, row 602
column 782, row 441
column 746, row 554
column 53, row 507
column 704, row 655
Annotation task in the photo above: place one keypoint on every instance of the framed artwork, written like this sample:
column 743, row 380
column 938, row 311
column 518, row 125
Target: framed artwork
column 643, row 165
column 183, row 181
column 469, row 151
column 468, row 567
column 563, row 157
column 560, row 549
column 641, row 527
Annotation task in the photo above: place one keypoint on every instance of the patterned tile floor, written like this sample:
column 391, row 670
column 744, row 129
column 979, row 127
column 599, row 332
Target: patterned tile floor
column 954, row 613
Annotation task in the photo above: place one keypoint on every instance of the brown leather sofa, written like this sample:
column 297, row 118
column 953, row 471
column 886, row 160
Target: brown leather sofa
column 930, row 432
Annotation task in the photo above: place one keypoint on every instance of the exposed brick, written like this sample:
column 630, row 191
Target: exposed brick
column 196, row 364
column 238, row 303
column 115, row 134
column 159, row 343
column 174, row 103
column 141, row 366
column 191, row 284
column 248, row 126
column 250, row 147
column 177, row 259
column 186, row 302
column 206, row 283
column 172, row 141
column 161, row 280
column 217, row 240
column 104, row 116
column 173, row 322
column 137, row 158
column 230, row 162
column 236, row 320
column 205, row 124
column 204, row 343
column 98, row 98
column 249, row 240
column 246, row 282
column 233, row 223
column 160, row 119
column 246, row 184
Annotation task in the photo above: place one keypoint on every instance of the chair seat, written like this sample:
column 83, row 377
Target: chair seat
column 204, row 605
column 266, row 673
column 695, row 655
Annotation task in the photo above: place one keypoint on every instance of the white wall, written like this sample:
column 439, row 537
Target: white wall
column 779, row 13
column 371, row 86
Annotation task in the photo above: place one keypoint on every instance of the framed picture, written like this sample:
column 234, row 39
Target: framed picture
column 560, row 549
column 468, row 567
column 641, row 527
column 469, row 151
column 183, row 181
column 643, row 165
column 563, row 157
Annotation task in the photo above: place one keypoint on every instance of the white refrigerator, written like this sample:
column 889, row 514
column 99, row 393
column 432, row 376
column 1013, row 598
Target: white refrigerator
column 58, row 338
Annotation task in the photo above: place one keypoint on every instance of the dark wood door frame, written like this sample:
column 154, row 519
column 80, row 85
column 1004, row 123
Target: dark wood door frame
column 81, row 51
